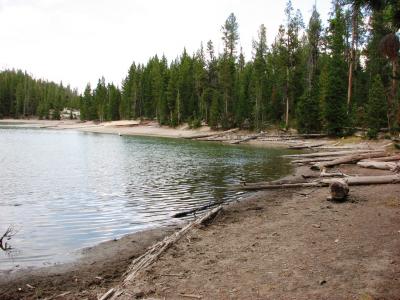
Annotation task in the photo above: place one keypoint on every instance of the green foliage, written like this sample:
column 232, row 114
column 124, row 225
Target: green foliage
column 23, row 96
column 376, row 108
column 308, row 107
column 335, row 87
column 299, row 80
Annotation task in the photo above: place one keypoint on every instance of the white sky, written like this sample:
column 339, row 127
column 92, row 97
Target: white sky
column 78, row 41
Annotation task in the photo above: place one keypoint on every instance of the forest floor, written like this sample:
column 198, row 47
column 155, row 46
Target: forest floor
column 280, row 244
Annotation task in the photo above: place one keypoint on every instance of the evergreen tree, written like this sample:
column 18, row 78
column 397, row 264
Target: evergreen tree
column 227, row 68
column 377, row 107
column 335, row 104
column 260, row 78
column 308, row 108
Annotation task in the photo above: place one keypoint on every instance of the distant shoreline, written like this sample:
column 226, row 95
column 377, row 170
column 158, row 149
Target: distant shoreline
column 126, row 127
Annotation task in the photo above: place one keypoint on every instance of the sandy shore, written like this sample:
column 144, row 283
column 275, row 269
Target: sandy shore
column 115, row 127
column 279, row 244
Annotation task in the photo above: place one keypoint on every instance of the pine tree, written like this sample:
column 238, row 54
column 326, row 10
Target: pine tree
column 227, row 68
column 308, row 108
column 260, row 78
column 335, row 105
column 377, row 107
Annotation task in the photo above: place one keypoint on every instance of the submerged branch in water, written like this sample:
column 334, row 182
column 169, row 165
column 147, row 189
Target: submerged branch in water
column 10, row 232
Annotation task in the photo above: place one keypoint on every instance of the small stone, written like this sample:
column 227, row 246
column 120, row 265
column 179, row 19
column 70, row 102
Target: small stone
column 316, row 225
column 322, row 282
column 337, row 241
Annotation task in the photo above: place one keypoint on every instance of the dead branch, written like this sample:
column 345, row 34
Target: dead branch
column 157, row 250
column 10, row 232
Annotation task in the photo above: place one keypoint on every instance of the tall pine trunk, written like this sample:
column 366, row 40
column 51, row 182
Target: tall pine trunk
column 354, row 36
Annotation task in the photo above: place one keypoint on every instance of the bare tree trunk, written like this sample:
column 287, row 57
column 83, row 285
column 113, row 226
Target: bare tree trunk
column 395, row 64
column 287, row 99
column 354, row 34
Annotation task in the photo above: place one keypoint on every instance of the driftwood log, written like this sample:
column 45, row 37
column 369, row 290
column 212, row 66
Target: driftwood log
column 350, row 180
column 381, row 165
column 306, row 146
column 347, row 160
column 388, row 158
column 339, row 190
column 330, row 153
column 208, row 135
column 248, row 138
column 195, row 210
column 145, row 260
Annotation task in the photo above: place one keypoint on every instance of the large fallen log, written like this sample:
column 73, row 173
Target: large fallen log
column 248, row 138
column 313, row 160
column 350, row 180
column 268, row 186
column 366, row 180
column 207, row 135
column 388, row 158
column 331, row 153
column 380, row 165
column 305, row 146
column 156, row 251
column 346, row 160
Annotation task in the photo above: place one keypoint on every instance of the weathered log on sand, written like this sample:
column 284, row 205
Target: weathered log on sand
column 366, row 180
column 207, row 135
column 313, row 160
column 380, row 165
column 388, row 158
column 248, row 138
column 331, row 153
column 157, row 250
column 350, row 180
column 268, row 186
column 346, row 160
column 339, row 190
column 305, row 146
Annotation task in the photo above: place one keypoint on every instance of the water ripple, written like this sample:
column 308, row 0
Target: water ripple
column 67, row 190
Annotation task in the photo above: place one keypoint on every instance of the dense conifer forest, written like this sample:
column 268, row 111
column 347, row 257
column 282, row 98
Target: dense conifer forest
column 22, row 96
column 311, row 77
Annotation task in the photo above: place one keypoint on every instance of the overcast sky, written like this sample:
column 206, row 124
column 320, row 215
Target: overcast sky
column 78, row 41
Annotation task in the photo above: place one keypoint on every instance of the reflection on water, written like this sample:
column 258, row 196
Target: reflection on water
column 66, row 190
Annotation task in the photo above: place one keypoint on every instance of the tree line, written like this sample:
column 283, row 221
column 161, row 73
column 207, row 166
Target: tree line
column 23, row 96
column 311, row 77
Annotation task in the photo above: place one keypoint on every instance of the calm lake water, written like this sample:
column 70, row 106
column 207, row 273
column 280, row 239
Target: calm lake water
column 66, row 190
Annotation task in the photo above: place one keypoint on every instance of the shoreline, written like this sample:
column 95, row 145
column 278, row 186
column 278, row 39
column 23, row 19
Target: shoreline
column 270, row 221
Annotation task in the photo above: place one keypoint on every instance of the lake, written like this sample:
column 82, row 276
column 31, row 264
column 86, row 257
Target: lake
column 66, row 190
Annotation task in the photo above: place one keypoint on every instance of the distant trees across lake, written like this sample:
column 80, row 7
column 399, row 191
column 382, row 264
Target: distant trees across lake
column 22, row 96
column 310, row 77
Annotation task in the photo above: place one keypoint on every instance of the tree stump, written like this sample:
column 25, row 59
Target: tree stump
column 339, row 190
